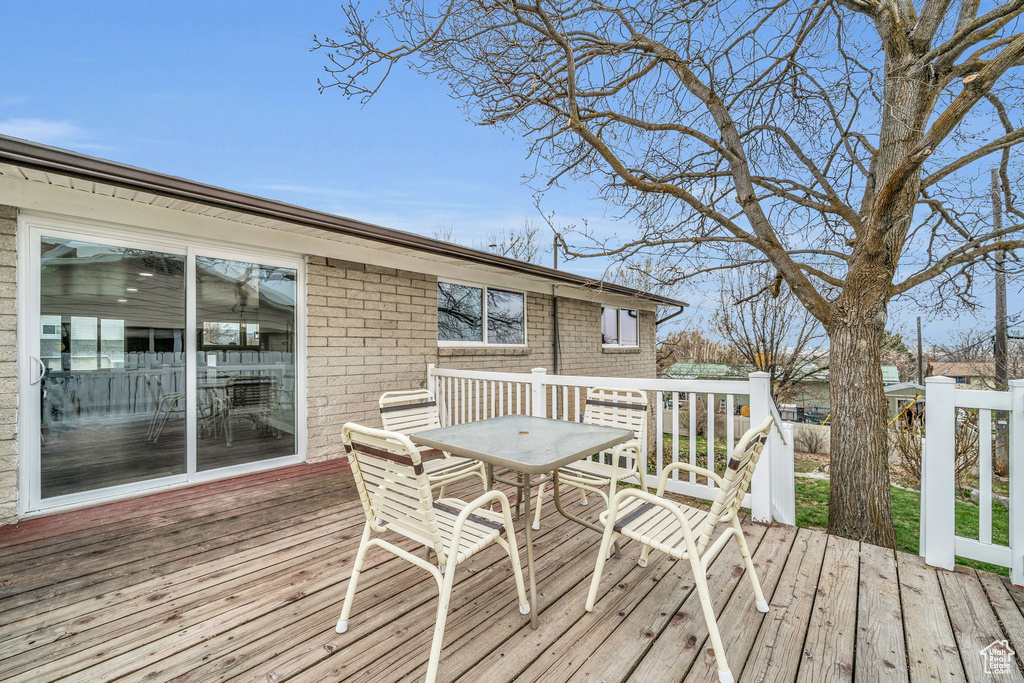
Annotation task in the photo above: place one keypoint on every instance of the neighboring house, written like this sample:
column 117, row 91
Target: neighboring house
column 905, row 398
column 975, row 375
column 810, row 394
column 158, row 332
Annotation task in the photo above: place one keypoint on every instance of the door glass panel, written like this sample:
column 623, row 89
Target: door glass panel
column 111, row 339
column 245, row 320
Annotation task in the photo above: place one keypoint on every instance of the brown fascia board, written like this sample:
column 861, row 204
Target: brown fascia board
column 72, row 164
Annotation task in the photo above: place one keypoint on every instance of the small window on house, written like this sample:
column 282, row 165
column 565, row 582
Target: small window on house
column 468, row 315
column 620, row 327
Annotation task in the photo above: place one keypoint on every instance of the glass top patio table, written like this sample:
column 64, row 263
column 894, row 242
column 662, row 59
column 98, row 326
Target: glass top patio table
column 531, row 445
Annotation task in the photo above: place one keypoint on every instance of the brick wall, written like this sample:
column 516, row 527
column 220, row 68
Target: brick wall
column 8, row 376
column 370, row 330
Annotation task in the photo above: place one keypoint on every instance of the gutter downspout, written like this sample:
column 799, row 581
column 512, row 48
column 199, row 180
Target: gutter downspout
column 668, row 317
column 554, row 318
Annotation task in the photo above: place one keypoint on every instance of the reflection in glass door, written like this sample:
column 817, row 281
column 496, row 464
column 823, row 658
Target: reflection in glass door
column 112, row 351
column 245, row 342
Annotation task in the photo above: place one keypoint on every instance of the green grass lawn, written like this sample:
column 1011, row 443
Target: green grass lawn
column 812, row 511
column 684, row 452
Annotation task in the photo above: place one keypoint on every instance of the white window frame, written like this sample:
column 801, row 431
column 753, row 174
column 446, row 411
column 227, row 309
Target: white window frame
column 31, row 228
column 485, row 343
column 618, row 327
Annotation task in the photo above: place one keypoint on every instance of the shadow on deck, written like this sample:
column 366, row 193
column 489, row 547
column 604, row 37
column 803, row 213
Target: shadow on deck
column 243, row 580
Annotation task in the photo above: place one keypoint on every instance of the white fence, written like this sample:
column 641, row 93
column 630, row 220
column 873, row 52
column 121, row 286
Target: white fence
column 945, row 409
column 470, row 395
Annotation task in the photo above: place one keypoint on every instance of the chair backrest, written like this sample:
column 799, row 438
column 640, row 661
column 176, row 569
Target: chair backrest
column 409, row 412
column 249, row 391
column 392, row 485
column 622, row 408
column 736, row 481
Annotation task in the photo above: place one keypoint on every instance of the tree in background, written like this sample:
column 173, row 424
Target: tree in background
column 838, row 142
column 894, row 351
column 769, row 329
column 526, row 243
column 692, row 345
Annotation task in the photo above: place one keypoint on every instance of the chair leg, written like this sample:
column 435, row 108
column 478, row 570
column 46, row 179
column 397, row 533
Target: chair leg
column 517, row 573
column 700, row 579
column 602, row 555
column 442, row 615
column 353, row 581
column 760, row 602
column 645, row 550
column 540, row 502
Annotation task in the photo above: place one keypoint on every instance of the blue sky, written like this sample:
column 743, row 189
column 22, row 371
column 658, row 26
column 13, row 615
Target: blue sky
column 225, row 93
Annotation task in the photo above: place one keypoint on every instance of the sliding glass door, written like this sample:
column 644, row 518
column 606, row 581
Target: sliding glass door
column 112, row 363
column 245, row 389
column 152, row 365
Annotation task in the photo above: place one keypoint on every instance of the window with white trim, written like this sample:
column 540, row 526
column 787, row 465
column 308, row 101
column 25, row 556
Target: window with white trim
column 470, row 315
column 620, row 327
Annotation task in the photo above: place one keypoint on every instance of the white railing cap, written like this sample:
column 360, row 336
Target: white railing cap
column 939, row 379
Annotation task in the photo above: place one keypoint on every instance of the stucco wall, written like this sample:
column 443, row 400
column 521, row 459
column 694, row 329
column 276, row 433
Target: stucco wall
column 8, row 375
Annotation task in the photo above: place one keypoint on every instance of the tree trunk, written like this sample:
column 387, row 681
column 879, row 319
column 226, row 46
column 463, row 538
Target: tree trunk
column 859, row 505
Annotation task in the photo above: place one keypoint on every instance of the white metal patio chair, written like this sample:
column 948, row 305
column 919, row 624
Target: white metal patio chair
column 622, row 408
column 396, row 496
column 408, row 412
column 684, row 532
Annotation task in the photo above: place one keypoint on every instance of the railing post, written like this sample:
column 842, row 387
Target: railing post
column 783, row 477
column 432, row 388
column 938, row 473
column 761, row 484
column 1016, row 435
column 538, row 401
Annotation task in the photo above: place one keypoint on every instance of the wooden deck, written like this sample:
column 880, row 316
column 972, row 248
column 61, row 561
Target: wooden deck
column 243, row 580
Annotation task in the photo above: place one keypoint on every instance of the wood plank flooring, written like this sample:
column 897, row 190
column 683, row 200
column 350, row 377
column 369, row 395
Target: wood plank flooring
column 242, row 580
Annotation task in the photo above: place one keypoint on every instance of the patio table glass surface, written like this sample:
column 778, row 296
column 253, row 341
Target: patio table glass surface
column 532, row 445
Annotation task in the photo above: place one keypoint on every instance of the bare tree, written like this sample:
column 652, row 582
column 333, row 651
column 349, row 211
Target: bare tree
column 975, row 346
column 692, row 345
column 525, row 243
column 839, row 141
column 770, row 330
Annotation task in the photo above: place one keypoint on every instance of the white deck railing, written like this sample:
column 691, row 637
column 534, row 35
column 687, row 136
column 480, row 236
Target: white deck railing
column 470, row 395
column 945, row 407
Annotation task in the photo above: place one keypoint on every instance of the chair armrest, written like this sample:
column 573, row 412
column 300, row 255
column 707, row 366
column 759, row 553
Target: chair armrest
column 704, row 472
column 484, row 500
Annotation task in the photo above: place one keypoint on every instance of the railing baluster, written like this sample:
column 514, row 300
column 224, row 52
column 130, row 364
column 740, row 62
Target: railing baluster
column 730, row 426
column 576, row 405
column 659, row 432
column 565, row 403
column 675, row 433
column 711, row 435
column 693, row 435
column 985, row 476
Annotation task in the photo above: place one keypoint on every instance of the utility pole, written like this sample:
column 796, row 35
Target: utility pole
column 554, row 250
column 999, row 345
column 920, row 354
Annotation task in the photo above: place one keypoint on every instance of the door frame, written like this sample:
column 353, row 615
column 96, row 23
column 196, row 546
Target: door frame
column 31, row 228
